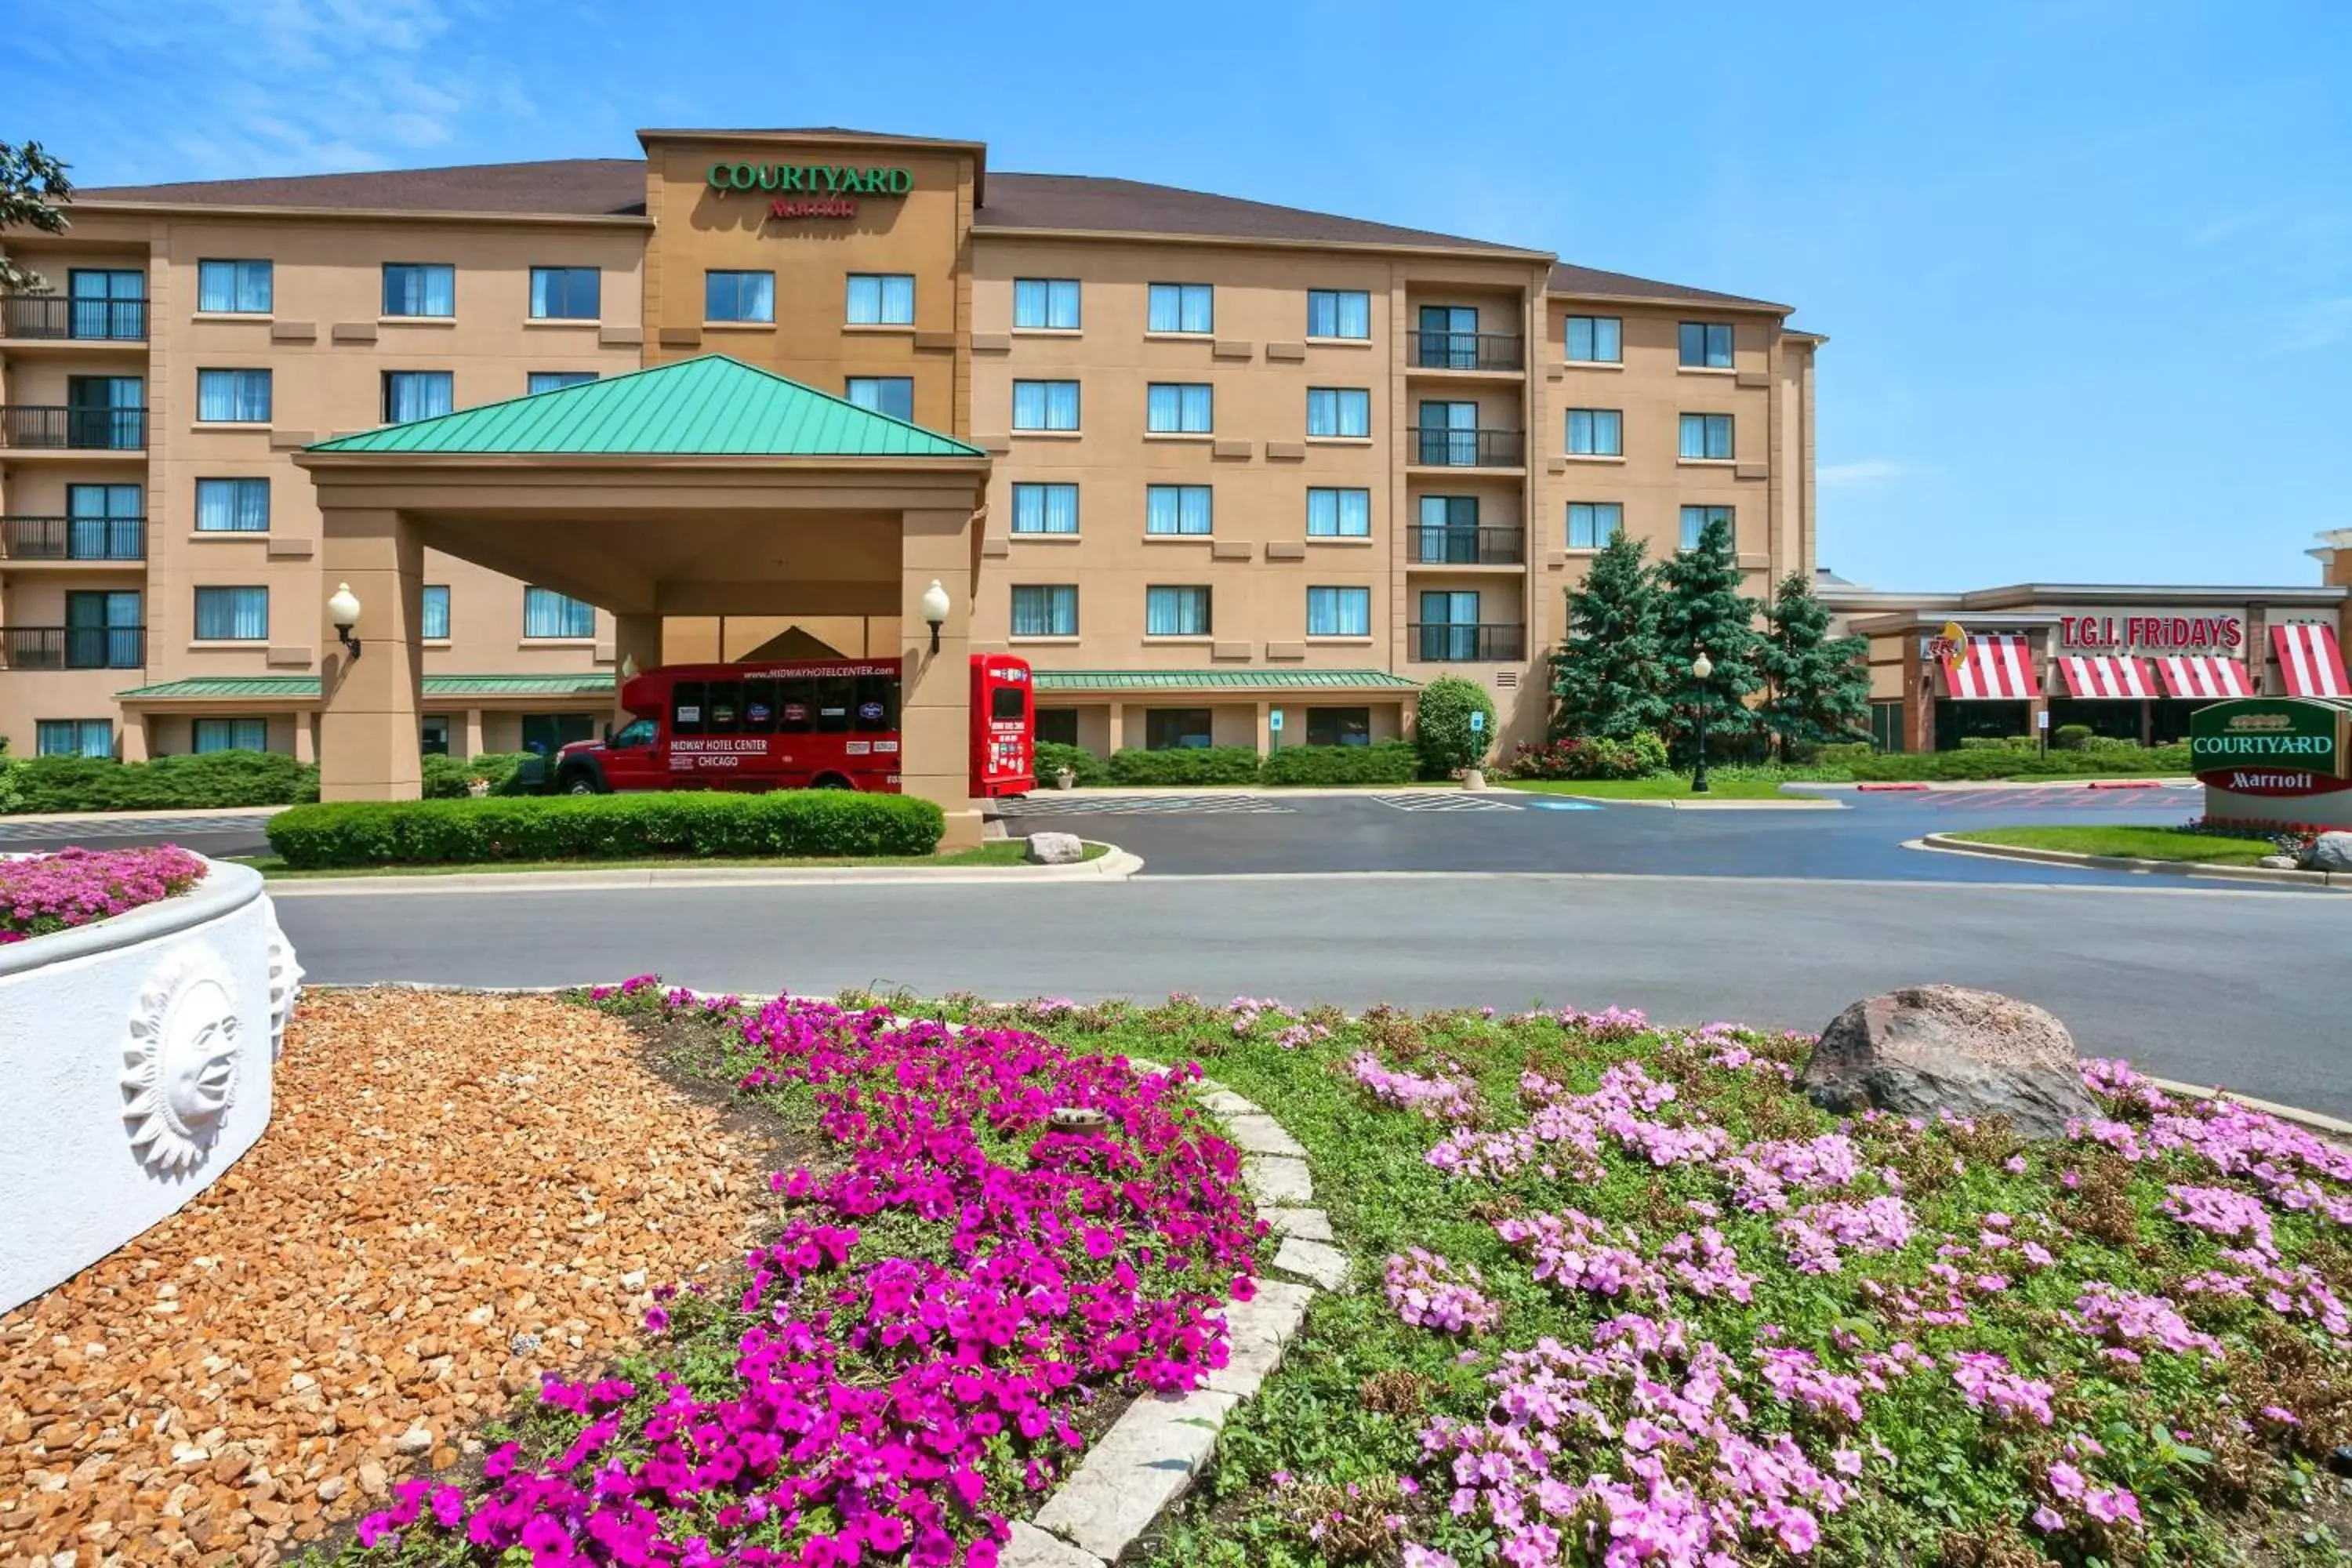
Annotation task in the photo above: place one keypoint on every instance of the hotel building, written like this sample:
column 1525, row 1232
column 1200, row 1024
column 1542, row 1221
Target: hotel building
column 1244, row 473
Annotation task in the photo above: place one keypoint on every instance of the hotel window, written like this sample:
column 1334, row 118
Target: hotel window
column 1044, row 406
column 1591, row 524
column 1177, row 509
column 1339, row 612
column 542, row 380
column 1175, row 612
column 1046, row 305
column 233, row 288
column 1182, row 308
column 416, row 394
column 1449, row 625
column 1045, row 509
column 1339, row 411
column 206, row 735
column 73, row 738
column 106, row 522
column 233, row 397
column 1178, row 409
column 1706, row 435
column 1339, row 313
column 232, row 506
column 1339, row 726
column 1177, row 729
column 1339, row 513
column 1697, row 518
column 1596, row 433
column 739, row 296
column 565, row 293
column 548, row 614
column 890, row 395
column 420, row 289
column 881, row 299
column 435, row 626
column 104, row 630
column 232, row 614
column 1706, row 345
column 1596, row 340
column 1448, row 531
column 1045, row 610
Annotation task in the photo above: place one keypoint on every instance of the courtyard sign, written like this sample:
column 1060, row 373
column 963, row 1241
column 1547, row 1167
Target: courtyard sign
column 810, row 190
column 2273, row 746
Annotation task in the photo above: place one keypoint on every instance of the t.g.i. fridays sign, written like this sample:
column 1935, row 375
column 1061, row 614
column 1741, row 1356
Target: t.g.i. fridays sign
column 810, row 190
column 2151, row 634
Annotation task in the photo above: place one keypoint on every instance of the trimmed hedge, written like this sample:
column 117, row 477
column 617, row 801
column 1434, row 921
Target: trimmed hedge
column 2005, row 762
column 1387, row 762
column 1185, row 765
column 689, row 825
column 1052, row 755
column 165, row 784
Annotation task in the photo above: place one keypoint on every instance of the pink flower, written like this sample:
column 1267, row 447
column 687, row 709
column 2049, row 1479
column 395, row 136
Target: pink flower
column 2048, row 1520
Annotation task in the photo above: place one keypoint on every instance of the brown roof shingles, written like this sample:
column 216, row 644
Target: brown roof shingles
column 563, row 188
column 1092, row 204
column 1567, row 279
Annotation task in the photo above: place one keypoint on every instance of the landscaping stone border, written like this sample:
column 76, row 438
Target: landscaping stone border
column 1946, row 844
column 1115, row 866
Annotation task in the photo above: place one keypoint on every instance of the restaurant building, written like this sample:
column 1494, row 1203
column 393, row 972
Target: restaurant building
column 1227, row 472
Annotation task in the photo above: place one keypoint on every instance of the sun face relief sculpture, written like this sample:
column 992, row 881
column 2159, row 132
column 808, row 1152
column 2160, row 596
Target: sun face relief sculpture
column 180, row 1065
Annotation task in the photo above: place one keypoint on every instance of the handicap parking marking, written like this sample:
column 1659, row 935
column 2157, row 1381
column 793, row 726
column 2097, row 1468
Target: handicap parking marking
column 1552, row 803
column 1141, row 805
column 1443, row 800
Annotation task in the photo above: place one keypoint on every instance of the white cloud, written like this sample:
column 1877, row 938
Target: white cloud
column 1860, row 475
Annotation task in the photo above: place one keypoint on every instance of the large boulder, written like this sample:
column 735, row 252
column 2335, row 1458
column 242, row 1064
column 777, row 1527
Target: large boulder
column 2329, row 852
column 1928, row 1049
column 1056, row 849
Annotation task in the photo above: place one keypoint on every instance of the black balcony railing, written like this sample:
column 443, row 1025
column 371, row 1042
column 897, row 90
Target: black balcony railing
column 1469, row 448
column 72, row 647
column 1469, row 351
column 59, row 316
column 1439, row 642
column 1467, row 546
column 73, row 538
column 28, row 425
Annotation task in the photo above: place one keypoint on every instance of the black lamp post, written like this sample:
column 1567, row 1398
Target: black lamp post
column 1701, row 667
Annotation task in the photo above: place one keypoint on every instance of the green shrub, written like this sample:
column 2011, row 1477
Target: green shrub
column 1442, row 729
column 1185, row 765
column 1052, row 755
column 165, row 784
column 2072, row 737
column 1592, row 757
column 1842, row 753
column 1389, row 763
column 2000, row 762
column 445, row 777
column 685, row 823
column 510, row 773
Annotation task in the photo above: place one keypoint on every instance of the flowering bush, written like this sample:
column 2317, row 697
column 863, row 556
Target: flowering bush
column 45, row 893
column 1590, row 757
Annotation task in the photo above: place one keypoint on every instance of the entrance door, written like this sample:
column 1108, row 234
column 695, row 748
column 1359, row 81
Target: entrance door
column 108, row 304
column 1449, row 434
column 1449, row 337
column 1449, row 625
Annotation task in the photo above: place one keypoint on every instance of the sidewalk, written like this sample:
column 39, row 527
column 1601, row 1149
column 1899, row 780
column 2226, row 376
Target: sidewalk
column 1117, row 866
column 180, row 813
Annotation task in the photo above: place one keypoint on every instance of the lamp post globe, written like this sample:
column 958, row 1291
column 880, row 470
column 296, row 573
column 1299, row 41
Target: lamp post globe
column 1701, row 667
column 935, row 610
column 343, row 614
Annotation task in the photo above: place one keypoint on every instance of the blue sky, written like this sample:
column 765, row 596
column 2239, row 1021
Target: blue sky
column 2086, row 266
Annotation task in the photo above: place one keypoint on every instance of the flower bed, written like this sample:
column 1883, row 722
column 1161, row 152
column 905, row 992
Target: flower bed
column 45, row 893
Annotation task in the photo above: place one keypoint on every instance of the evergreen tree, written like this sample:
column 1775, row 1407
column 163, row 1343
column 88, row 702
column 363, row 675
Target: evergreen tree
column 1703, row 608
column 1816, row 686
column 1609, row 675
column 33, row 190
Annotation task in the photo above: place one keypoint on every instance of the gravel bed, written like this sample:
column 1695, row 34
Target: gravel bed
column 456, row 1194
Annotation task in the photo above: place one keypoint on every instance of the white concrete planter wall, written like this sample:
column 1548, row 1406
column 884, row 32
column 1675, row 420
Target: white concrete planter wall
column 136, row 1056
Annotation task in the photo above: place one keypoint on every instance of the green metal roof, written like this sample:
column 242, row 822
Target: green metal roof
column 711, row 407
column 238, row 688
column 1222, row 680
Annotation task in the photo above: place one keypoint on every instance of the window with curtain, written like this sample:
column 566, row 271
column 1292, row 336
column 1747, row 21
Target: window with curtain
column 1177, row 729
column 232, row 614
column 1045, row 610
column 1596, row 432
column 235, row 288
column 1182, row 308
column 233, row 397
column 416, row 394
column 1449, row 434
column 1706, row 435
column 1339, row 612
column 1596, row 340
column 1176, row 612
column 1448, row 531
column 1178, row 409
column 1044, row 406
column 1046, row 305
column 1339, row 726
column 420, row 289
column 73, row 738
column 1178, row 509
column 1704, row 345
column 1339, row 411
column 104, row 630
column 107, row 303
column 890, row 395
column 881, row 299
column 566, row 293
column 232, row 506
column 1045, row 509
column 1449, row 625
column 739, row 296
column 434, row 624
column 548, row 614
column 1695, row 519
column 556, row 380
column 1339, row 313
column 1591, row 524
column 1339, row 513
column 229, row 735
column 105, row 522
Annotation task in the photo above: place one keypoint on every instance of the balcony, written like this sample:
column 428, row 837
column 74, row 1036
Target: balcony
column 31, row 426
column 72, row 647
column 55, row 318
column 1467, row 547
column 1469, row 351
column 24, row 539
column 1440, row 642
column 1451, row 448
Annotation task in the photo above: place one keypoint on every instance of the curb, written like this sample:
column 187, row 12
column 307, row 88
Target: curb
column 2316, row 1121
column 1116, row 866
column 1946, row 844
column 230, row 814
column 2054, row 780
column 1700, row 802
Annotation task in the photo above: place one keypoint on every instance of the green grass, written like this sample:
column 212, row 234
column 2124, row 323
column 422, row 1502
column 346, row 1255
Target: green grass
column 1663, row 787
column 2133, row 843
column 997, row 852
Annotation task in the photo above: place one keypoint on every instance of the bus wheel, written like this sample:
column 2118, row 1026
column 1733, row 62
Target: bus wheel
column 830, row 781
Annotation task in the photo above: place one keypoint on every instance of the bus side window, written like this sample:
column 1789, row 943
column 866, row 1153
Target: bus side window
column 795, row 706
column 835, row 698
column 878, row 704
column 726, row 708
column 686, row 708
column 1005, row 704
column 758, row 706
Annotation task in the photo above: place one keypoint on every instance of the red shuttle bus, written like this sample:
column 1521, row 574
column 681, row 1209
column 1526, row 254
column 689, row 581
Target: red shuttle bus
column 814, row 725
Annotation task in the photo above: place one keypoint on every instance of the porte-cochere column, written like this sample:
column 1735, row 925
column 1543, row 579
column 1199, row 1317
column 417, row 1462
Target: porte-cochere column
column 935, row 689
column 371, row 707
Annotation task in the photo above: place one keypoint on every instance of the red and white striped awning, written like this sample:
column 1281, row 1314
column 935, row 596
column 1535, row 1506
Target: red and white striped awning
column 2309, row 659
column 2104, row 676
column 2205, row 676
column 1998, row 667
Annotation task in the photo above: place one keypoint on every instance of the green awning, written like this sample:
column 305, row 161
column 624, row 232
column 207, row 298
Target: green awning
column 305, row 688
column 1268, row 681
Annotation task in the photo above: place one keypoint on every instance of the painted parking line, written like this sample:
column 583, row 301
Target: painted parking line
column 1142, row 805
column 1443, row 800
column 2065, row 798
column 127, row 826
